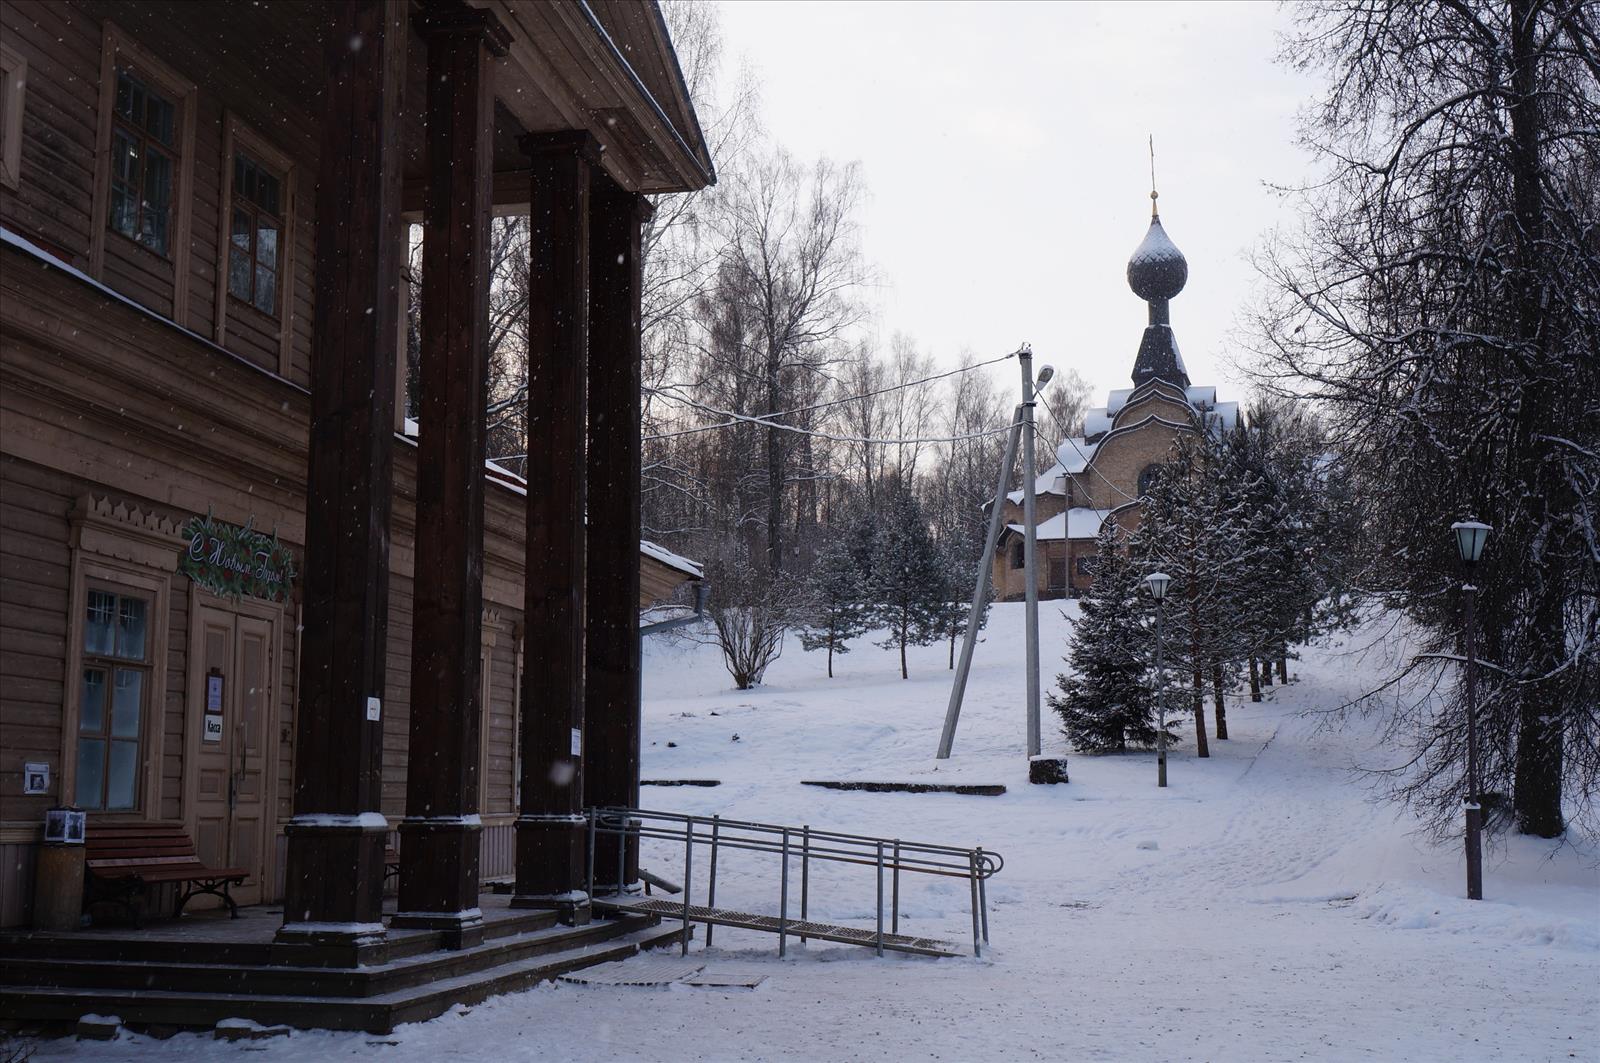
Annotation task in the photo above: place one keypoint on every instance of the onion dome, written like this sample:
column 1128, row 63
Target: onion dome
column 1157, row 271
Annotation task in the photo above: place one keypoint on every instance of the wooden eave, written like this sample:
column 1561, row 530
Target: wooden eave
column 564, row 71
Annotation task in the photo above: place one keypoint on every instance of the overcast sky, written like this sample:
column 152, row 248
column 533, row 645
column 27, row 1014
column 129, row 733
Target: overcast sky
column 1003, row 146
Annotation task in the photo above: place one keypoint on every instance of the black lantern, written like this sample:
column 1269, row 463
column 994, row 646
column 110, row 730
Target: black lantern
column 1470, row 537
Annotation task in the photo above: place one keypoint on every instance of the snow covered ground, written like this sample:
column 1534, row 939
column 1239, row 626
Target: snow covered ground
column 1260, row 908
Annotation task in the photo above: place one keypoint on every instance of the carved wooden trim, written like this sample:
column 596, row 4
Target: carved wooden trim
column 127, row 533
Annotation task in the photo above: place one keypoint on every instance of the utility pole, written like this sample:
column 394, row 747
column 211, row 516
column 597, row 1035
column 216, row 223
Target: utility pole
column 981, row 590
column 1029, row 545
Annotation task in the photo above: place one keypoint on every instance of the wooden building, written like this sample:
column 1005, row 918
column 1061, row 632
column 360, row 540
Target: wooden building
column 1104, row 473
column 234, row 594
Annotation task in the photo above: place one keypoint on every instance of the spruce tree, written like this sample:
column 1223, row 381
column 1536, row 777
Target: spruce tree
column 908, row 581
column 836, row 609
column 1105, row 701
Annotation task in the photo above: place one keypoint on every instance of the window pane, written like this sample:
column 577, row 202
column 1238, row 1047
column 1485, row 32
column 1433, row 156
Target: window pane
column 238, row 273
column 249, row 189
column 122, row 775
column 92, row 706
column 158, row 118
column 121, row 211
column 97, row 621
column 91, row 773
column 266, row 290
column 136, row 110
column 126, row 703
column 240, row 233
column 124, row 94
column 131, row 628
column 267, row 243
column 157, row 196
column 267, row 192
column 238, row 175
column 124, row 157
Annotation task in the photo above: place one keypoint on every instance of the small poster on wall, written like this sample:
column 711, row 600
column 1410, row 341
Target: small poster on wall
column 213, row 731
column 214, row 692
column 35, row 778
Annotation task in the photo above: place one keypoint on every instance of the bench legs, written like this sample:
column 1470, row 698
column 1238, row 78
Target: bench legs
column 217, row 887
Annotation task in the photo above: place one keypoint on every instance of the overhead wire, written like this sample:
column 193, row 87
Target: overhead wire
column 764, row 419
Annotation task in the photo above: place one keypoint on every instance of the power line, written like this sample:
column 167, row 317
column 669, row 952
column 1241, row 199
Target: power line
column 741, row 418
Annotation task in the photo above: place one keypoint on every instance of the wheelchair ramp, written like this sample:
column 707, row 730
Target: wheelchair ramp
column 844, row 935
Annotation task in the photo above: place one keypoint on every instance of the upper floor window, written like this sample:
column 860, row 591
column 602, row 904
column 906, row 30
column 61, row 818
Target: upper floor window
column 1018, row 556
column 13, row 87
column 143, row 156
column 115, row 678
column 254, row 255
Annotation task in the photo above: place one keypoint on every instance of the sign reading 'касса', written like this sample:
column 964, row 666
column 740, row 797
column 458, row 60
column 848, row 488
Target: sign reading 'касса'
column 236, row 562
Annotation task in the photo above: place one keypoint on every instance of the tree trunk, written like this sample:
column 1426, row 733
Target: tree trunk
column 1266, row 671
column 1255, row 680
column 1198, row 697
column 1283, row 669
column 1537, row 786
column 830, row 657
column 1218, row 705
column 903, row 673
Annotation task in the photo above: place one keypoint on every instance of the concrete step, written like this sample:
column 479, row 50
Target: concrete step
column 401, row 973
column 377, row 1013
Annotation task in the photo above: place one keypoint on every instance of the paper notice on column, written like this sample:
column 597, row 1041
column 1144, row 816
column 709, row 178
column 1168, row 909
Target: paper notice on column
column 577, row 742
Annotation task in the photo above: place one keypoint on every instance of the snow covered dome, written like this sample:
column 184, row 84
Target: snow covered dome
column 1157, row 270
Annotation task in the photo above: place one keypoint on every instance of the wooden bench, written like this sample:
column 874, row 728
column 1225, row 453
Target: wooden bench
column 122, row 859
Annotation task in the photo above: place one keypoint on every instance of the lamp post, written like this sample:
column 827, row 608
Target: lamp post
column 1030, row 387
column 1470, row 537
column 1157, row 582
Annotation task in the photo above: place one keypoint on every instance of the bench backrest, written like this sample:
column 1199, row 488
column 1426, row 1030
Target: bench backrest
column 128, row 845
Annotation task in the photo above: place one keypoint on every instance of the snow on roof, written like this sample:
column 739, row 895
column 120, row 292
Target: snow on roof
column 1074, row 454
column 1049, row 482
column 1076, row 523
column 670, row 559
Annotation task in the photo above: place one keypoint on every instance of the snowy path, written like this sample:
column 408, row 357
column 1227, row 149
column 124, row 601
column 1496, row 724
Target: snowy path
column 1261, row 908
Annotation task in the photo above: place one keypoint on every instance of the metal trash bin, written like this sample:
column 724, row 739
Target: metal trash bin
column 58, row 872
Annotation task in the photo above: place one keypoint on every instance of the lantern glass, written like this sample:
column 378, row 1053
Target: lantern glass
column 1470, row 537
column 1157, row 582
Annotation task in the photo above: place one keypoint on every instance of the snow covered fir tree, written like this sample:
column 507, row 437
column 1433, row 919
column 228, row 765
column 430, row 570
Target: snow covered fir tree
column 1106, row 700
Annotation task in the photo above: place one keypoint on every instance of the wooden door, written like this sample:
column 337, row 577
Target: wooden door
column 234, row 696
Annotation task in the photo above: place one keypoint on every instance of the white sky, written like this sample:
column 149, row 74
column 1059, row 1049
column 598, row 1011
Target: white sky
column 1003, row 146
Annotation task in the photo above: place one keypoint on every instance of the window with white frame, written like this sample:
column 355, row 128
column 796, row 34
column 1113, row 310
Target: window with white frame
column 115, row 677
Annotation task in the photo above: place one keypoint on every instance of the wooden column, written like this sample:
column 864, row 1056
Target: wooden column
column 440, row 835
column 551, row 840
column 334, row 883
column 611, row 753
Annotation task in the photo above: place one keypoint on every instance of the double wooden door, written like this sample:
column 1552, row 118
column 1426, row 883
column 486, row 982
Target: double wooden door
column 232, row 687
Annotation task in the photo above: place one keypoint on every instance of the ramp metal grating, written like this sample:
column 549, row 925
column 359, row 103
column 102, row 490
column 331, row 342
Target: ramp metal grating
column 846, row 935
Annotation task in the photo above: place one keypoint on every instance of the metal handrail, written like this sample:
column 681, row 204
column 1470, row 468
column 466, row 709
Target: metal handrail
column 892, row 855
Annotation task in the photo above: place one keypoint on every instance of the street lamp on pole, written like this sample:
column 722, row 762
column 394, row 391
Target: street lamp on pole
column 1158, row 582
column 1470, row 537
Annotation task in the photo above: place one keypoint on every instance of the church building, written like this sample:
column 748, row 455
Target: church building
column 1104, row 473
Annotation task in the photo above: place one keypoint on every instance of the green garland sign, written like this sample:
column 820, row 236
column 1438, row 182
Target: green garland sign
column 236, row 562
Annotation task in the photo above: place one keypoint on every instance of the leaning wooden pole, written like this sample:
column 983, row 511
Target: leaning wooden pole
column 981, row 590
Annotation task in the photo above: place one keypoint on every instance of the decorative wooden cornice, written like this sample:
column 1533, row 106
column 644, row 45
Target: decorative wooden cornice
column 127, row 533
